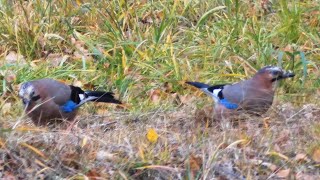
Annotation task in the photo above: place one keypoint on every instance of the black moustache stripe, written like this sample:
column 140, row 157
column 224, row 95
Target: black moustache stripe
column 35, row 98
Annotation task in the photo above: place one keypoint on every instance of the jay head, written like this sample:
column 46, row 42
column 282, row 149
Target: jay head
column 254, row 95
column 47, row 100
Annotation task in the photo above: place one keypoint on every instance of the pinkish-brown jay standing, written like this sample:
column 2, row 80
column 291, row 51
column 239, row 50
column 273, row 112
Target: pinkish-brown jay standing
column 47, row 100
column 254, row 95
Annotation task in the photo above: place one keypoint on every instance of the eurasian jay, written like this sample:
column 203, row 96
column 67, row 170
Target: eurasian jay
column 47, row 100
column 254, row 95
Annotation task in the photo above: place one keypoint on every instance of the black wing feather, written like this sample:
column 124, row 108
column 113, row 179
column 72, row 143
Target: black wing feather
column 75, row 91
column 103, row 97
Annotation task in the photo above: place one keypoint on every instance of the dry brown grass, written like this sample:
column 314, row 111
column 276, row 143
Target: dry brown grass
column 114, row 146
column 144, row 51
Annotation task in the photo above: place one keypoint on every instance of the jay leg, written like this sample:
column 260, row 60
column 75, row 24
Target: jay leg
column 224, row 115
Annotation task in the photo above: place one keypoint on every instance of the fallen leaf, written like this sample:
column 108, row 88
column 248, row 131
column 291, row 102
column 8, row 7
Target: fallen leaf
column 195, row 163
column 159, row 14
column 266, row 122
column 102, row 111
column 106, row 65
column 6, row 108
column 316, row 155
column 57, row 59
column 8, row 176
column 283, row 137
column 271, row 166
column 152, row 135
column 77, row 83
column 104, row 155
column 303, row 176
column 288, row 48
column 204, row 116
column 227, row 170
column 10, row 77
column 276, row 148
column 266, row 5
column 167, row 87
column 185, row 99
column 147, row 18
column 155, row 95
column 2, row 143
column 13, row 58
column 300, row 157
column 79, row 2
column 89, row 85
column 93, row 174
column 283, row 173
column 70, row 159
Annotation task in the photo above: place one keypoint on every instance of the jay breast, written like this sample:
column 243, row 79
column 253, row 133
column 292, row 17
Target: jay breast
column 46, row 114
column 250, row 98
column 258, row 101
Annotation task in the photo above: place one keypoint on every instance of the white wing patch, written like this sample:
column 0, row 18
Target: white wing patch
column 81, row 96
column 213, row 94
column 84, row 100
column 216, row 92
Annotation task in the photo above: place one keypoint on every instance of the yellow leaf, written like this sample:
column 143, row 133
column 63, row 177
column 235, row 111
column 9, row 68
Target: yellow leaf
column 152, row 135
column 78, row 2
column 6, row 108
column 2, row 143
column 84, row 141
column 37, row 151
column 316, row 155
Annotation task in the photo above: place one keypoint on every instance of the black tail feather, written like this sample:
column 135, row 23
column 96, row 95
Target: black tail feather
column 210, row 88
column 198, row 84
column 106, row 97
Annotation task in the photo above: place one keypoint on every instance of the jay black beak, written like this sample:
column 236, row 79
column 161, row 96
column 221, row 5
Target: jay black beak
column 287, row 75
column 284, row 75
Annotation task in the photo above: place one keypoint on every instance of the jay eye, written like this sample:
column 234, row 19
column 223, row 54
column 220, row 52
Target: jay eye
column 276, row 73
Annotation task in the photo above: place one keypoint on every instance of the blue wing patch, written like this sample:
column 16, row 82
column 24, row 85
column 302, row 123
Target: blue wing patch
column 69, row 106
column 228, row 104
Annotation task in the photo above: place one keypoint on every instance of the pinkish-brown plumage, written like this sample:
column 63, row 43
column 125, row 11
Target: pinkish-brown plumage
column 48, row 101
column 254, row 95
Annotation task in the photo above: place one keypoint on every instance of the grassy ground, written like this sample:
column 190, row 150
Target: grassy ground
column 144, row 51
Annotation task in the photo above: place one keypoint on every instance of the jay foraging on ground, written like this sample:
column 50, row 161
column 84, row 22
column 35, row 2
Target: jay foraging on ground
column 254, row 95
column 47, row 100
